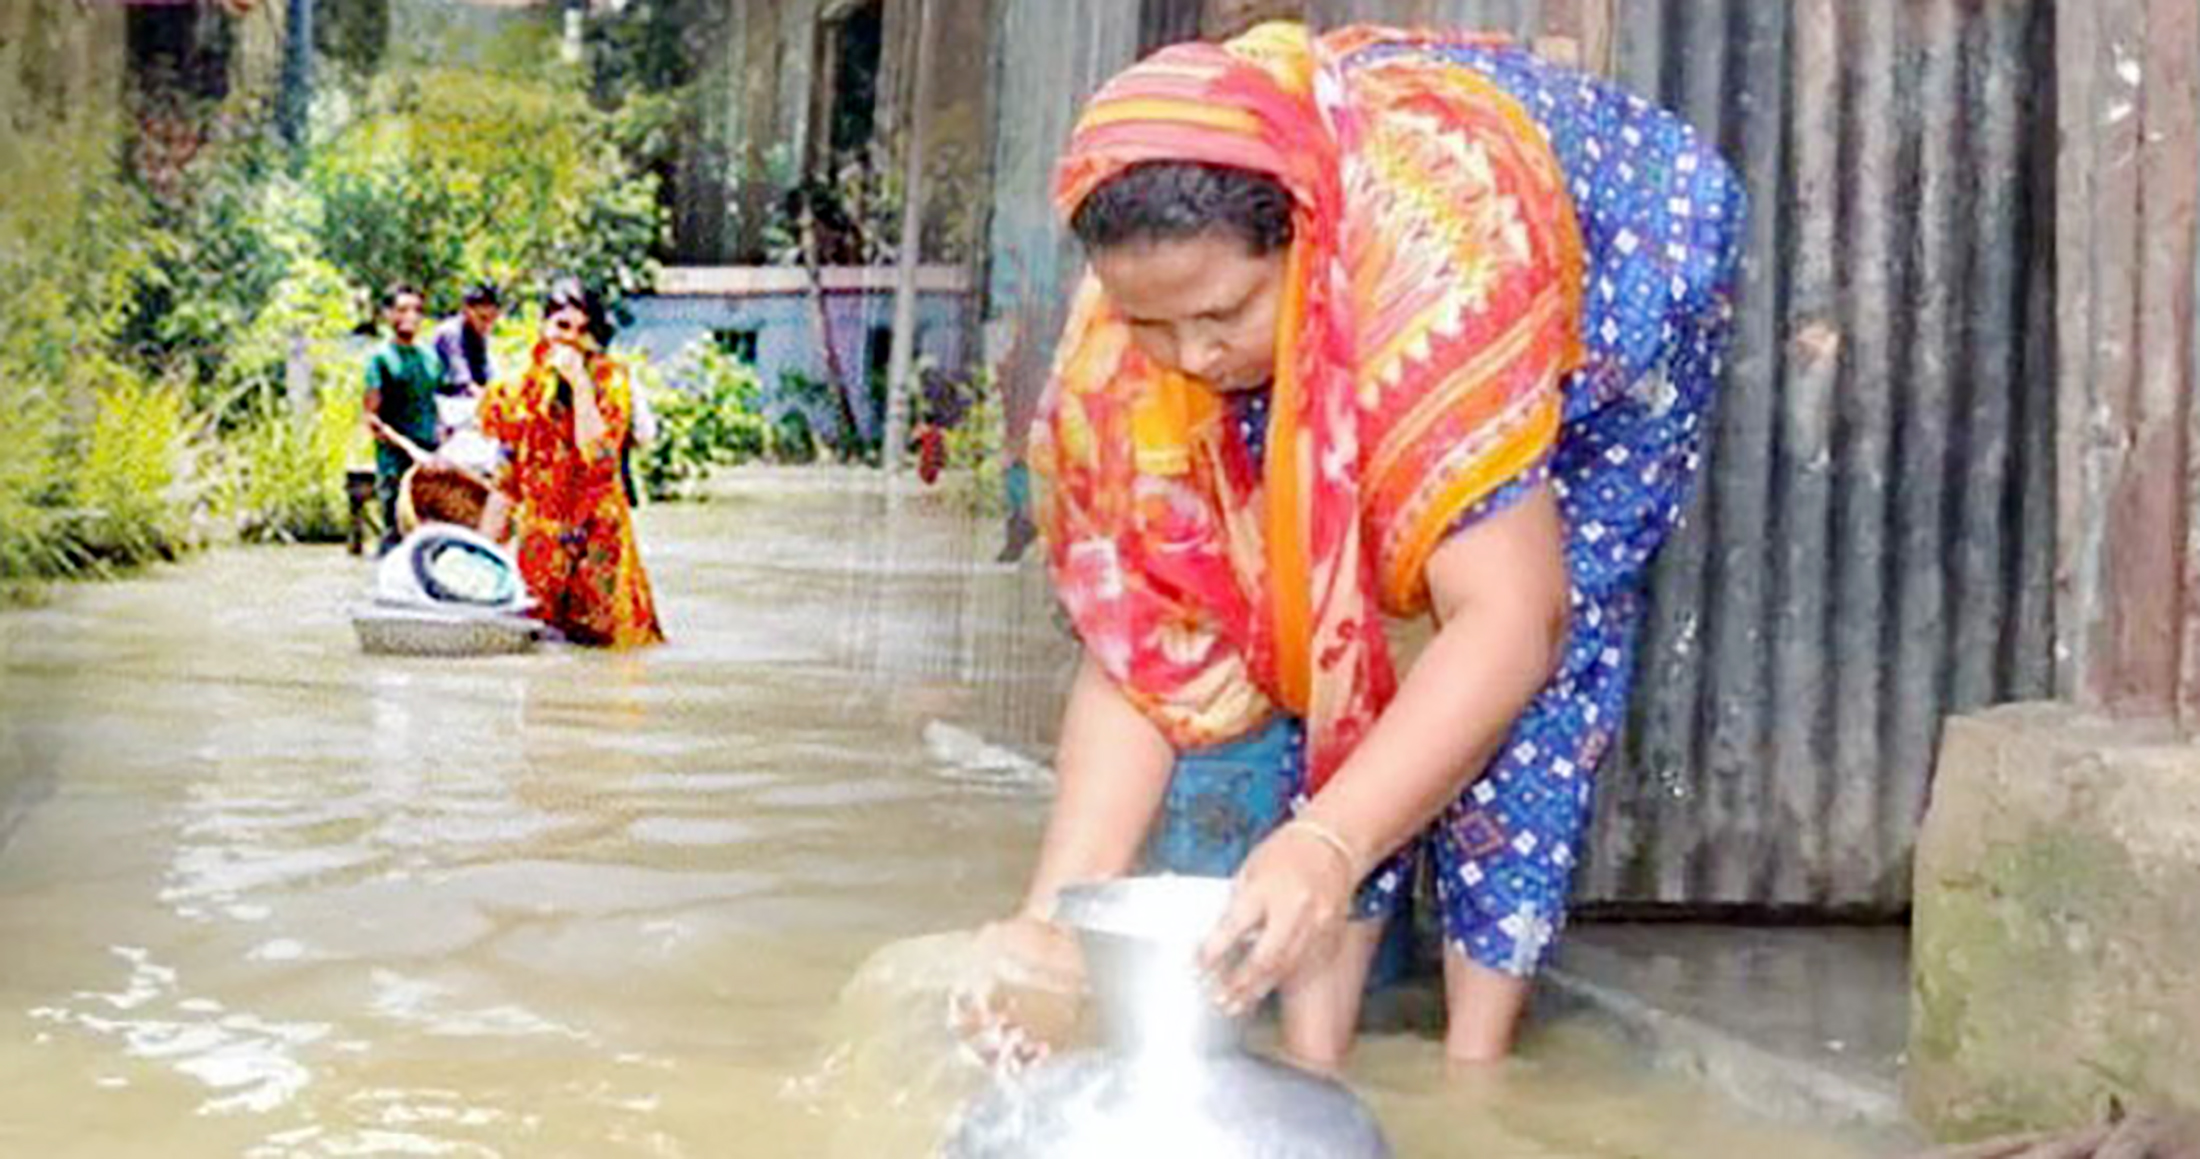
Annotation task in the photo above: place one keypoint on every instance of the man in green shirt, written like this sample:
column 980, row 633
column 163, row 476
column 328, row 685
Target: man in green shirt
column 402, row 377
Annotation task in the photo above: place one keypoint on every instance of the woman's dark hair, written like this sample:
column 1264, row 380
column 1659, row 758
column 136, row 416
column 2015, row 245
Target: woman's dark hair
column 481, row 294
column 1173, row 200
column 569, row 293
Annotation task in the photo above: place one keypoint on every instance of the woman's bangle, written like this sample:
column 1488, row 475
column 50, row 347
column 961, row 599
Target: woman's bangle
column 1330, row 837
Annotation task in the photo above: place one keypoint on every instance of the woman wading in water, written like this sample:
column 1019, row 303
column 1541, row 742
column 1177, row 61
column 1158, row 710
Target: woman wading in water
column 1377, row 323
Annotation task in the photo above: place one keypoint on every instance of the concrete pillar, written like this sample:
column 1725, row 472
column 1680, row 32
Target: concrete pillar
column 2058, row 917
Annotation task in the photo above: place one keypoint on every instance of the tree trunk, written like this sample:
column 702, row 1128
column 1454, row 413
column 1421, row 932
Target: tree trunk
column 902, row 357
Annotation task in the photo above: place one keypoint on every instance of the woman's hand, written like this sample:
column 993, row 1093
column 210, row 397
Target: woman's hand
column 496, row 516
column 1292, row 897
column 1026, row 999
column 571, row 365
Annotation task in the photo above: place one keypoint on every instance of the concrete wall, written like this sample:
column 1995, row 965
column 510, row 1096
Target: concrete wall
column 774, row 304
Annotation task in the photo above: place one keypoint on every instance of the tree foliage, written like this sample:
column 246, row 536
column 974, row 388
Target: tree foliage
column 453, row 176
column 166, row 275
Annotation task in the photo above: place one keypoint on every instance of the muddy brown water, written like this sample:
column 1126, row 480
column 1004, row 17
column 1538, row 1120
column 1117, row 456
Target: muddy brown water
column 262, row 895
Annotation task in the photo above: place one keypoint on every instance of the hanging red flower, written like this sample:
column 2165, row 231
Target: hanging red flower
column 931, row 453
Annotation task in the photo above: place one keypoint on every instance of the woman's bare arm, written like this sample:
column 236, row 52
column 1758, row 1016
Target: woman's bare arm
column 1113, row 766
column 1500, row 595
column 1500, row 592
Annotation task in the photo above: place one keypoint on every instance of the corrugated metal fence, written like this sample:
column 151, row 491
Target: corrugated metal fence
column 1873, row 546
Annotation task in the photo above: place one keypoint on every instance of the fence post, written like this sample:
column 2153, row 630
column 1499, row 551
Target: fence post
column 2127, row 628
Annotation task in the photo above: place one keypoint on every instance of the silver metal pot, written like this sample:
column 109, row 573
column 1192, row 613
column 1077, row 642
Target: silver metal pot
column 1174, row 1077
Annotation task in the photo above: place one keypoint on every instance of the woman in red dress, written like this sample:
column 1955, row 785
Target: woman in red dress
column 561, row 421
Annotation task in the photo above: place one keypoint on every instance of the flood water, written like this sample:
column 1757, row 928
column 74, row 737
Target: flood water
column 262, row 895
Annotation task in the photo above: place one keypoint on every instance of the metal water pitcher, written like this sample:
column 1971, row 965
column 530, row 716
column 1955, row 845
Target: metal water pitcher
column 1173, row 1077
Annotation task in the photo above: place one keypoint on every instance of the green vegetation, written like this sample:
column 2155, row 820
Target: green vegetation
column 185, row 304
column 285, row 475
column 453, row 176
column 188, row 301
column 717, row 420
column 722, row 415
column 67, row 386
column 975, row 462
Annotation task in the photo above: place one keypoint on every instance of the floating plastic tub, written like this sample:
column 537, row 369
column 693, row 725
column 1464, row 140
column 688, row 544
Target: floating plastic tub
column 446, row 590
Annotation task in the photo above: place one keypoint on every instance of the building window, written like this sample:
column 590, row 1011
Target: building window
column 739, row 343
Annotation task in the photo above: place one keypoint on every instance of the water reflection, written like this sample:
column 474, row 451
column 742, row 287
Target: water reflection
column 245, row 1061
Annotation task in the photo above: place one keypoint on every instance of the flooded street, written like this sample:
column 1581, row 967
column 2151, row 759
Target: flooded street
column 262, row 895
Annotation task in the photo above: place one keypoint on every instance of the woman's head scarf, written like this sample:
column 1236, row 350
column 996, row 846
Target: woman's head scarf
column 1431, row 309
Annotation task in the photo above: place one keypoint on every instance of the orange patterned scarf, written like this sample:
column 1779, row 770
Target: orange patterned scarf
column 1431, row 309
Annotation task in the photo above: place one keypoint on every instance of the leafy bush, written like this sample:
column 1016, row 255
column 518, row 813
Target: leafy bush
column 132, row 497
column 792, row 439
column 72, row 242
column 974, row 428
column 88, row 452
column 843, row 431
column 308, row 313
column 718, row 419
column 286, row 471
column 453, row 175
column 30, row 545
column 212, row 254
column 391, row 224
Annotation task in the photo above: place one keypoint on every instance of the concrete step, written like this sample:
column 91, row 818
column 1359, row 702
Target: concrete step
column 1805, row 1025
